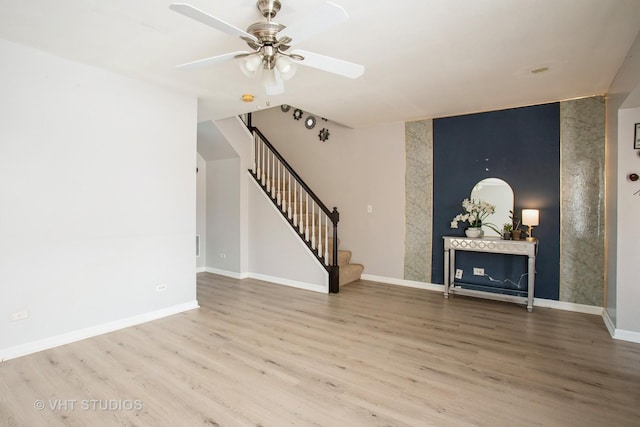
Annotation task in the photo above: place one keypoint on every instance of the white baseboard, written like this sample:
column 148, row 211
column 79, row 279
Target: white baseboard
column 272, row 279
column 537, row 302
column 69, row 337
column 292, row 283
column 568, row 306
column 619, row 334
column 227, row 273
column 608, row 323
column 201, row 269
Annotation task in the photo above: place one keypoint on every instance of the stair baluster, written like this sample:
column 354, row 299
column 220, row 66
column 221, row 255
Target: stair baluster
column 319, row 248
column 313, row 226
column 289, row 197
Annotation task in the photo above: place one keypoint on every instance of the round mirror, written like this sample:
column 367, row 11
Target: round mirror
column 498, row 193
column 310, row 122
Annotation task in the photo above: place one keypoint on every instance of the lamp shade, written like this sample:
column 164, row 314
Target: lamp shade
column 251, row 66
column 286, row 67
column 530, row 216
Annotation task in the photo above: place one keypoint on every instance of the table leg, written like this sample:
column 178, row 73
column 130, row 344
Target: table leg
column 531, row 282
column 446, row 273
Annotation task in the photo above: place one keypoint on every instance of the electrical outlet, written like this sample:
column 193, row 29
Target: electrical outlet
column 19, row 315
column 478, row 271
column 369, row 208
column 161, row 288
column 458, row 273
column 223, row 255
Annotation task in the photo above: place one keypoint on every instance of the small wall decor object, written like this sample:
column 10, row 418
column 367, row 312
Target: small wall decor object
column 636, row 137
column 297, row 114
column 633, row 177
column 285, row 108
column 310, row 122
column 324, row 134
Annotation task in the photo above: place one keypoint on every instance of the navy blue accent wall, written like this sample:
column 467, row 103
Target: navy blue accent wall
column 520, row 146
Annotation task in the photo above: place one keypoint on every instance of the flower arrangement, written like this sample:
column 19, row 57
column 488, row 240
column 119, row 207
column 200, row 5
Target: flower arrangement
column 475, row 212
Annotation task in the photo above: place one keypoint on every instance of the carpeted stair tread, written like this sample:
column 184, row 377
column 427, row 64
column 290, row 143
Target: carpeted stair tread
column 350, row 273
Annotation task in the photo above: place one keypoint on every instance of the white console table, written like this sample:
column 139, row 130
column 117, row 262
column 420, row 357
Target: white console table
column 490, row 245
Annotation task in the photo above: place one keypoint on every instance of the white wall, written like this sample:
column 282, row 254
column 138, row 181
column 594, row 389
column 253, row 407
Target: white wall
column 354, row 168
column 239, row 138
column 628, row 239
column 201, row 211
column 97, row 190
column 622, row 203
column 223, row 215
column 276, row 253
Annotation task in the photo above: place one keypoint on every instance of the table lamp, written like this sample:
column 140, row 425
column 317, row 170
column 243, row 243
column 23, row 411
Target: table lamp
column 530, row 218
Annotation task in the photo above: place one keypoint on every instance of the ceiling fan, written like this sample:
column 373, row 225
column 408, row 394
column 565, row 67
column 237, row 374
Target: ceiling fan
column 271, row 56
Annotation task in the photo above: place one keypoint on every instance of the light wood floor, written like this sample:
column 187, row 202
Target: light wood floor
column 257, row 354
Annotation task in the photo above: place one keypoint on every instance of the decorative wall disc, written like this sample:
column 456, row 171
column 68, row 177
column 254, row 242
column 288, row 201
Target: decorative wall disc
column 297, row 114
column 310, row 122
column 324, row 134
column 285, row 108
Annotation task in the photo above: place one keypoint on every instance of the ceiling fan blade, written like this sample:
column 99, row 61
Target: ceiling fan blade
column 200, row 16
column 213, row 60
column 319, row 20
column 329, row 64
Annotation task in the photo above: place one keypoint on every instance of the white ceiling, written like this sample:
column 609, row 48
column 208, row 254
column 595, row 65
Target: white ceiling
column 423, row 58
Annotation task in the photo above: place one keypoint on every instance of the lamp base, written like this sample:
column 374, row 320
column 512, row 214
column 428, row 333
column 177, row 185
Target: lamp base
column 531, row 239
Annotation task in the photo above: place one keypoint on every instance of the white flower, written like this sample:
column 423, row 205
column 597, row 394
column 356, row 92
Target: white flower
column 475, row 213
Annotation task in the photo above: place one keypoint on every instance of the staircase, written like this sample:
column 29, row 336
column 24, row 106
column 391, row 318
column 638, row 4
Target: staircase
column 314, row 223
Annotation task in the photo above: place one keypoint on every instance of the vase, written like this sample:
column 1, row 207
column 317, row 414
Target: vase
column 474, row 232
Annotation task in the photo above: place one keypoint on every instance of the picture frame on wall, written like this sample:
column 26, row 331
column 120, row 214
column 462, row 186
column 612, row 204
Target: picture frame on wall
column 636, row 137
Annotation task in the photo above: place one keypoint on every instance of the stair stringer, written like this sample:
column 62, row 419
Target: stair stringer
column 276, row 252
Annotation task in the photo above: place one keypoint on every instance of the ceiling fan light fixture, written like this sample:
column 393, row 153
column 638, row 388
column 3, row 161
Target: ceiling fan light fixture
column 268, row 78
column 286, row 67
column 251, row 65
column 269, row 58
column 253, row 62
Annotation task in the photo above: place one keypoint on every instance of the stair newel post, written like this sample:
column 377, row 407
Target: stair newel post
column 334, row 273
